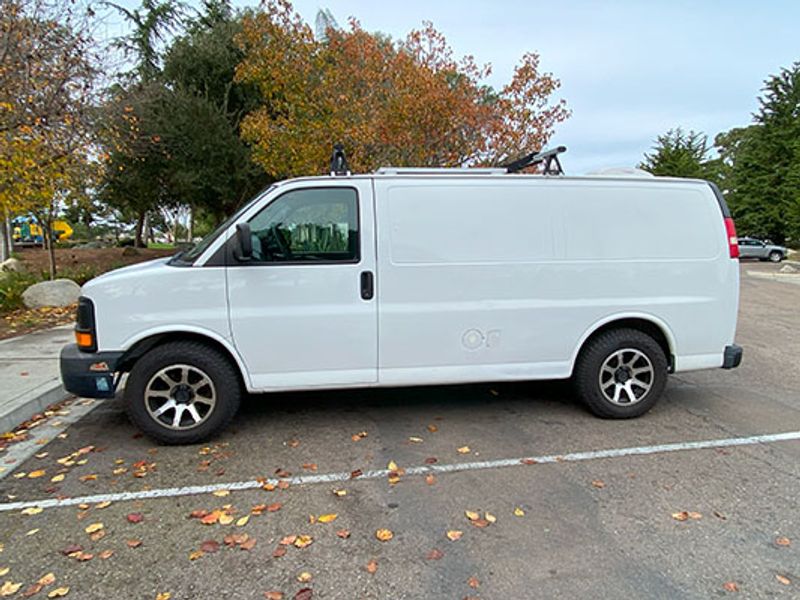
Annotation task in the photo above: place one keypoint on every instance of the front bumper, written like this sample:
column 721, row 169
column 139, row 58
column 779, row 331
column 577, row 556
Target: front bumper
column 732, row 357
column 89, row 374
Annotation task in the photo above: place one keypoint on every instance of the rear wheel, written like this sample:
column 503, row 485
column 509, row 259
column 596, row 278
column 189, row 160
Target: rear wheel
column 182, row 392
column 621, row 374
column 775, row 256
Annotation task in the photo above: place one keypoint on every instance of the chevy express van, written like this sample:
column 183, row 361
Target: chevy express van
column 414, row 277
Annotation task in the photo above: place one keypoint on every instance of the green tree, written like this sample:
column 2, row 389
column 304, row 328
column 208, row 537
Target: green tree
column 679, row 154
column 764, row 162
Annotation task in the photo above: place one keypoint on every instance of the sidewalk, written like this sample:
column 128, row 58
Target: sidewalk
column 29, row 374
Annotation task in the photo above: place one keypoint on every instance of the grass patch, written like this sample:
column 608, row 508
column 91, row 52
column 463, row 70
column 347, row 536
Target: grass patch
column 161, row 246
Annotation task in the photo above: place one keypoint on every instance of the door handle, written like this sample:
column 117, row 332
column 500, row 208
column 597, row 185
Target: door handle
column 367, row 285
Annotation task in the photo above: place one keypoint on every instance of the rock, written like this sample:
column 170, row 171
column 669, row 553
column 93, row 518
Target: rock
column 59, row 292
column 788, row 269
column 12, row 264
column 130, row 251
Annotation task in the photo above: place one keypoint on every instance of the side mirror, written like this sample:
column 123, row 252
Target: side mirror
column 244, row 242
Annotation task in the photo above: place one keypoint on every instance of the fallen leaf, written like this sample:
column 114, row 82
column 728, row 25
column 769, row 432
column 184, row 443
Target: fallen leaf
column 481, row 523
column 32, row 590
column 464, row 450
column 435, row 554
column 83, row 556
column 195, row 554
column 59, row 592
column 41, row 454
column 473, row 582
column 293, row 443
column 283, row 485
column 94, row 527
column 102, row 505
column 33, row 510
column 358, row 436
column 304, row 577
column 221, row 493
column 394, row 478
column 135, row 518
column 71, row 549
column 98, row 535
column 48, row 579
column 695, row 515
column 274, row 507
column 279, row 551
column 303, row 594
column 372, row 566
column 249, row 544
column 32, row 531
column 783, row 541
column 87, row 477
column 211, row 518
column 273, row 595
column 57, row 478
column 454, row 534
column 340, row 493
column 719, row 515
column 241, row 522
column 288, row 540
column 37, row 473
column 384, row 535
column 471, row 515
column 784, row 580
column 268, row 487
column 225, row 519
column 415, row 440
column 431, row 460
column 302, row 541
column 598, row 483
column 134, row 543
column 327, row 518
column 430, row 479
column 4, row 571
column 105, row 554
column 356, row 473
column 164, row 596
column 680, row 516
column 283, row 473
column 489, row 517
column 518, row 512
column 528, row 461
column 730, row 586
column 343, row 533
column 9, row 588
column 310, row 466
column 392, row 466
column 209, row 546
column 433, row 428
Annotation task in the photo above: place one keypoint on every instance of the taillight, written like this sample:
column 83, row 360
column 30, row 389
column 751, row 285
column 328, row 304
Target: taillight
column 733, row 241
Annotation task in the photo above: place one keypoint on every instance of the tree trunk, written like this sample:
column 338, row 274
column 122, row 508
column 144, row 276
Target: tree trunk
column 5, row 238
column 47, row 232
column 137, row 239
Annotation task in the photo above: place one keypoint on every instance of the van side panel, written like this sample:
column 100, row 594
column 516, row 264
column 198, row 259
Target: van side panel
column 484, row 279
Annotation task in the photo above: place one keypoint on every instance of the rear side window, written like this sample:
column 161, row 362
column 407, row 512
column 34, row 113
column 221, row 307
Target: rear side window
column 317, row 225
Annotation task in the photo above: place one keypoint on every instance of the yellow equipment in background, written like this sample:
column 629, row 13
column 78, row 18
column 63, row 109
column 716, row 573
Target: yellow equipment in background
column 28, row 232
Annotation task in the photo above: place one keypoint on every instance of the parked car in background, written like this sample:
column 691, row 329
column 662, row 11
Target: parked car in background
column 755, row 248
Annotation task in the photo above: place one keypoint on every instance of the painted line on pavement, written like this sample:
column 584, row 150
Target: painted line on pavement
column 420, row 470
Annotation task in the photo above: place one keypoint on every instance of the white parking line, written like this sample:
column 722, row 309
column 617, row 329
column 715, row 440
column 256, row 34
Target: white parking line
column 421, row 470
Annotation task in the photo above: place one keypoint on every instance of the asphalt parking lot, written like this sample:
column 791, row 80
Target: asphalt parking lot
column 559, row 525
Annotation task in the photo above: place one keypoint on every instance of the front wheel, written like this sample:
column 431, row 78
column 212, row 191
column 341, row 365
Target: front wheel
column 621, row 374
column 182, row 392
column 775, row 256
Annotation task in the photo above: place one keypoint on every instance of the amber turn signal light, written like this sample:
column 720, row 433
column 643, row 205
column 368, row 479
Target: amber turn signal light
column 84, row 339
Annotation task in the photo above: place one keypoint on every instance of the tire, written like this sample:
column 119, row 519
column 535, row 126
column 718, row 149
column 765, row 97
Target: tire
column 775, row 256
column 182, row 373
column 626, row 355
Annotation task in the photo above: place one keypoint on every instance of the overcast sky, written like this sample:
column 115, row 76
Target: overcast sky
column 630, row 69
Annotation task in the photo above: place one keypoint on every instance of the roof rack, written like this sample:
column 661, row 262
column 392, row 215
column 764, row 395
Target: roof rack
column 552, row 166
column 438, row 171
column 339, row 161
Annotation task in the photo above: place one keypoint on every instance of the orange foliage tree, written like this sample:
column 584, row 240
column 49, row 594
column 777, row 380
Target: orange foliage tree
column 392, row 102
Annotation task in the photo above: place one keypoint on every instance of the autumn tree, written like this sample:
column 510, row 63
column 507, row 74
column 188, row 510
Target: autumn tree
column 393, row 102
column 47, row 70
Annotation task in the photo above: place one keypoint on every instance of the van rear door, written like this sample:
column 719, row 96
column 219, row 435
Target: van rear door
column 301, row 311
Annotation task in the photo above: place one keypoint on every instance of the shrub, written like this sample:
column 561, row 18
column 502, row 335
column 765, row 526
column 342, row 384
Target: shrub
column 11, row 287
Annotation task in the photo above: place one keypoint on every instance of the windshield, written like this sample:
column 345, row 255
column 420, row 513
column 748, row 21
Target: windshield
column 192, row 254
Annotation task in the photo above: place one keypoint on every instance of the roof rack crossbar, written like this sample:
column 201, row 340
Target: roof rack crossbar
column 552, row 166
column 339, row 161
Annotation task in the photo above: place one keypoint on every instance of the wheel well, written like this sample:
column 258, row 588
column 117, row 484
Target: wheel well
column 643, row 325
column 142, row 346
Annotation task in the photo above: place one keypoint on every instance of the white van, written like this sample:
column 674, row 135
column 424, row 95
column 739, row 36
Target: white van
column 415, row 277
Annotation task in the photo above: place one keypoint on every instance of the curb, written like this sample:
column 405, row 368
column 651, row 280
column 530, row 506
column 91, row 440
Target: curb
column 32, row 402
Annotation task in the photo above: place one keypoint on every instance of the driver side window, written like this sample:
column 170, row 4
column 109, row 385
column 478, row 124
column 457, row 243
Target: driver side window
column 314, row 225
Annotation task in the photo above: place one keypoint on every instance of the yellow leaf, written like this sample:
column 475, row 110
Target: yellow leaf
column 489, row 517
column 415, row 439
column 384, row 535
column 32, row 531
column 327, row 518
column 472, row 515
column 243, row 521
column 304, row 577
column 195, row 554
column 104, row 504
column 518, row 512
column 225, row 519
column 392, row 466
column 4, row 571
column 57, row 478
column 454, row 534
column 301, row 541
column 93, row 528
column 36, row 473
column 9, row 589
column 33, row 510
column 164, row 596
column 221, row 493
column 340, row 493
column 783, row 579
column 464, row 450
column 48, row 579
